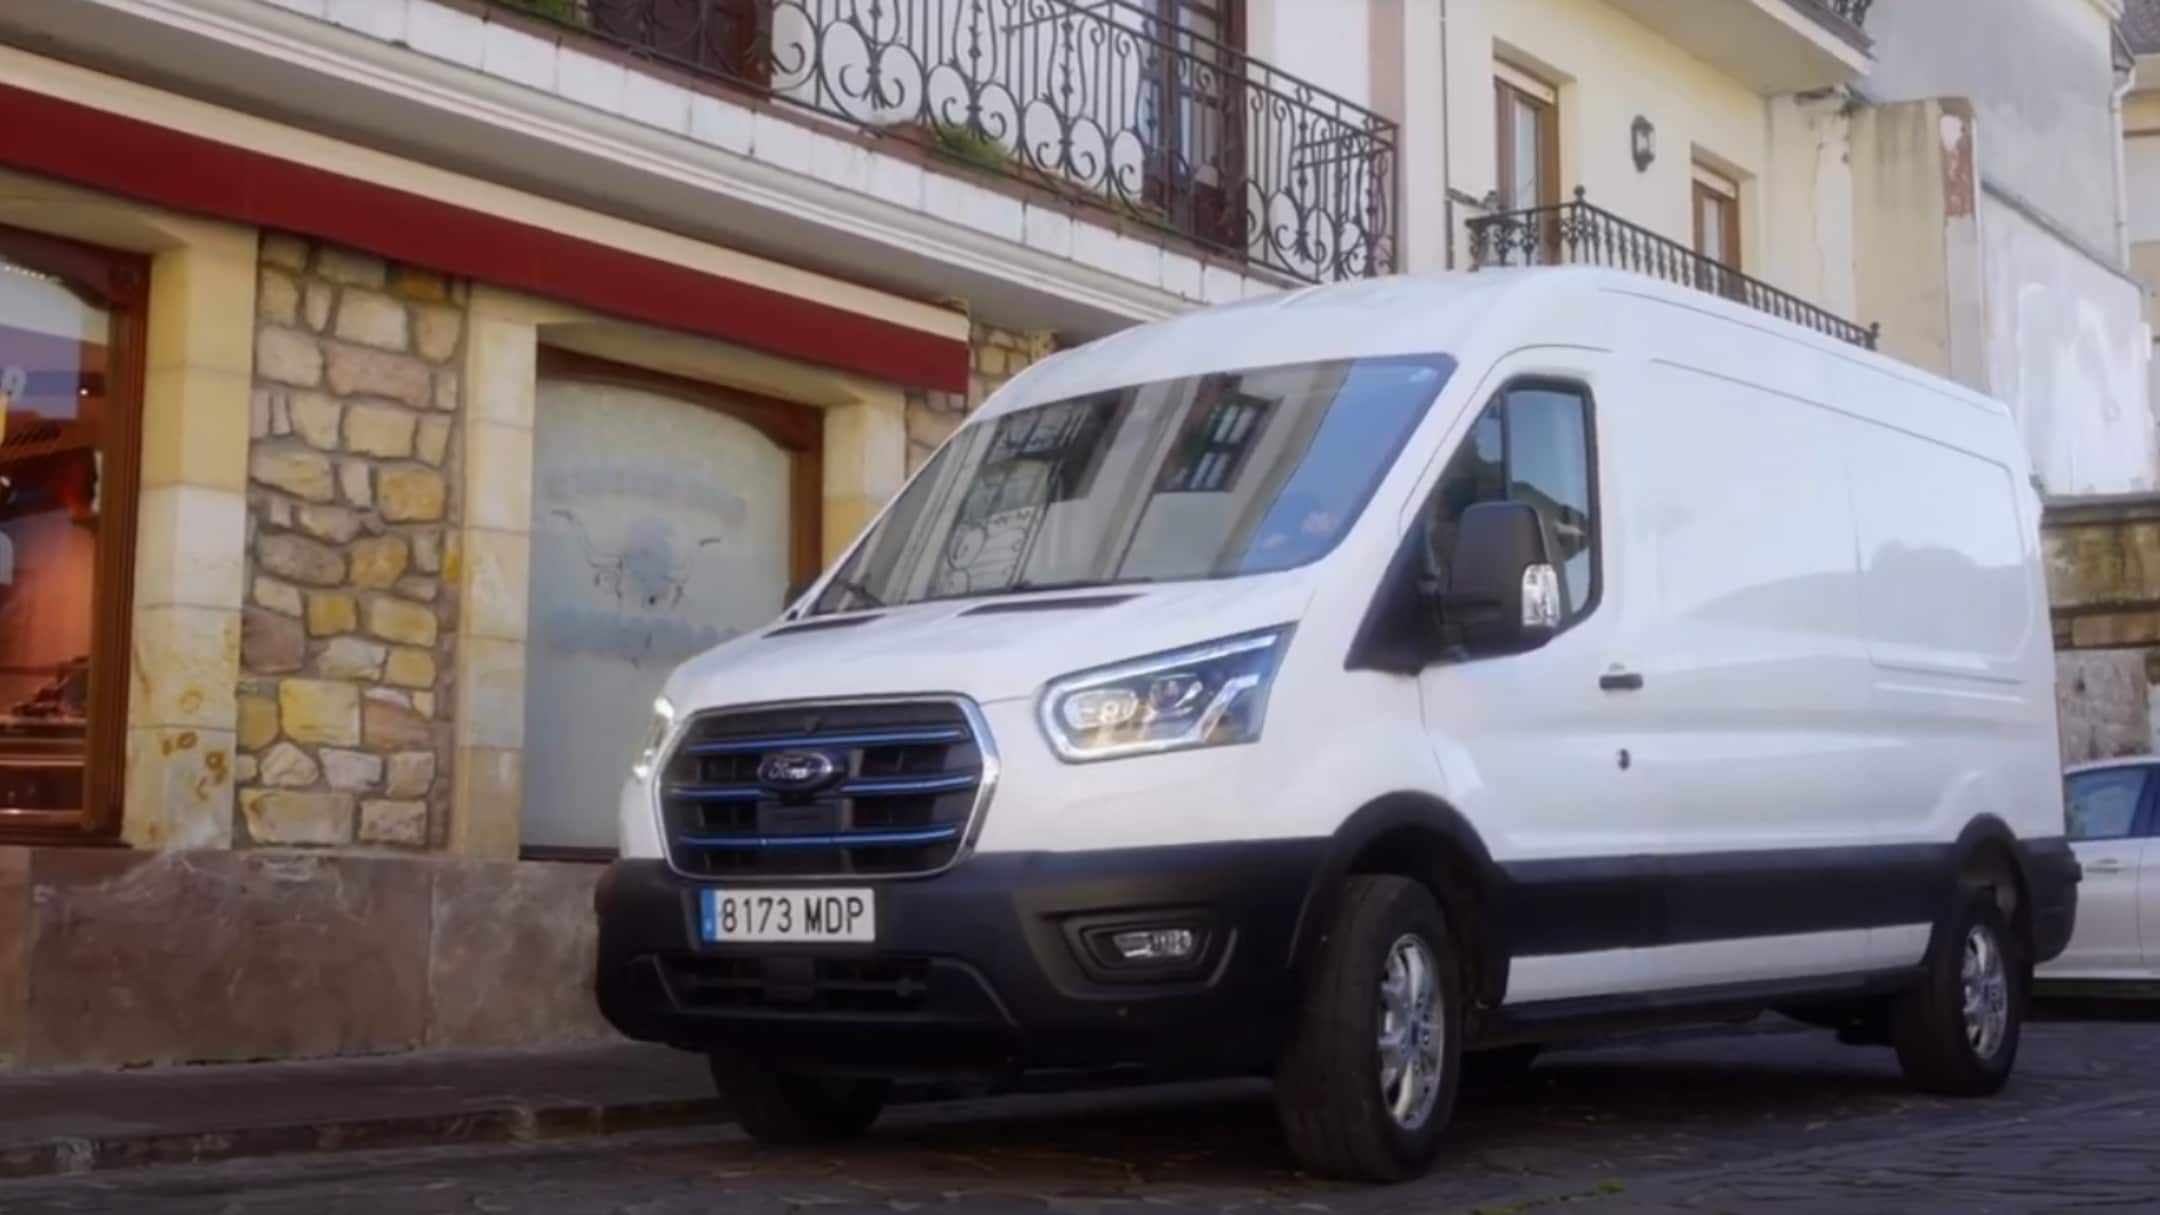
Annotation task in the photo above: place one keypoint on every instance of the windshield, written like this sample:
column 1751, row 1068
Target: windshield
column 1210, row 476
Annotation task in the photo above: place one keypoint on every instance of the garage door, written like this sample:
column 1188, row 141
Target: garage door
column 661, row 527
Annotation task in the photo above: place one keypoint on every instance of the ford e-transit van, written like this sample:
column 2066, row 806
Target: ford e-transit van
column 1361, row 686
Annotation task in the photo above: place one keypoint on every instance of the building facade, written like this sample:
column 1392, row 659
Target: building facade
column 396, row 389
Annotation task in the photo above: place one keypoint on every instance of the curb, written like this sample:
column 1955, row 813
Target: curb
column 74, row 1156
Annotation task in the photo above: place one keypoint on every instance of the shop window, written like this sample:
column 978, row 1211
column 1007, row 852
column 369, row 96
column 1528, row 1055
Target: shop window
column 71, row 320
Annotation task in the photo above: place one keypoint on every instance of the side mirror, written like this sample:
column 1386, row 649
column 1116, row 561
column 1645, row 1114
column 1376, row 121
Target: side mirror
column 1503, row 592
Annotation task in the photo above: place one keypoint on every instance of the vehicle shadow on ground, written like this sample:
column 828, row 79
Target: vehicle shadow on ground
column 1572, row 1112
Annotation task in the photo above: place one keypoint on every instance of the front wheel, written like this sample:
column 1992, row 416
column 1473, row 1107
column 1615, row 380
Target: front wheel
column 1957, row 1033
column 796, row 1108
column 1369, row 1081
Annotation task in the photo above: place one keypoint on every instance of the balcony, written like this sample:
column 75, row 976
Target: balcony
column 1578, row 234
column 1773, row 46
column 1096, row 102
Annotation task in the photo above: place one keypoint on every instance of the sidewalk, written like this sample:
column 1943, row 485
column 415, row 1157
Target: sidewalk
column 79, row 1122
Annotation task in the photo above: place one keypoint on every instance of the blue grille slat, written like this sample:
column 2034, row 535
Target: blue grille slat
column 883, row 787
column 883, row 738
column 850, row 839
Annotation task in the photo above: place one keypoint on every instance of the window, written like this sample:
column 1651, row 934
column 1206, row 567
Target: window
column 1529, row 141
column 2104, row 804
column 70, row 391
column 1532, row 445
column 1193, row 99
column 1717, row 229
column 1214, row 451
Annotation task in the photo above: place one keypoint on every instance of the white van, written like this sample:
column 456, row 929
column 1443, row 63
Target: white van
column 1361, row 686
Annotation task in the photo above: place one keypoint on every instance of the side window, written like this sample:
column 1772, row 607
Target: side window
column 1531, row 445
column 2104, row 804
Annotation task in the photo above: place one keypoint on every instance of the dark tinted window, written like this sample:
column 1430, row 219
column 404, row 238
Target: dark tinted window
column 2104, row 804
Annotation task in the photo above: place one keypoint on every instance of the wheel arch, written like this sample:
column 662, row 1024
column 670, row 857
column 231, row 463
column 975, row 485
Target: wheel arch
column 1989, row 853
column 1417, row 836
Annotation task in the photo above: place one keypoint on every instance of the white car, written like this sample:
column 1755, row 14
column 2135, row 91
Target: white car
column 2114, row 828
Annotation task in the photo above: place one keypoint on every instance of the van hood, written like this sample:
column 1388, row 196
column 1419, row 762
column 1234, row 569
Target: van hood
column 990, row 649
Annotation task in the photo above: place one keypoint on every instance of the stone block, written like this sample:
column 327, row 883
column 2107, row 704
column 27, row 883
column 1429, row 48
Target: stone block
column 411, row 774
column 491, row 692
column 446, row 390
column 277, row 298
column 356, row 481
column 498, row 582
column 393, row 822
column 190, row 546
column 353, row 772
column 195, row 427
column 320, row 711
column 427, row 551
column 316, row 418
column 351, row 268
column 299, row 559
column 411, row 495
column 414, row 586
column 351, row 658
column 379, row 562
column 288, row 357
column 258, row 722
column 373, row 320
column 271, row 643
column 357, row 371
column 487, row 801
column 285, row 251
column 287, row 766
column 392, row 725
column 177, row 790
column 502, row 364
column 414, row 283
column 436, row 333
column 333, row 523
column 285, row 816
column 167, row 958
column 315, row 305
column 432, row 444
column 411, row 669
column 383, row 431
column 399, row 621
column 301, row 473
column 330, row 613
column 512, row 927
column 186, row 667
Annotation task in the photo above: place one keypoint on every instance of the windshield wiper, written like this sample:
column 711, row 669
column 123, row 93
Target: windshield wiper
column 1069, row 584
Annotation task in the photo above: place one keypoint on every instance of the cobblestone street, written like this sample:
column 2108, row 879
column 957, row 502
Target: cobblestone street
column 1747, row 1122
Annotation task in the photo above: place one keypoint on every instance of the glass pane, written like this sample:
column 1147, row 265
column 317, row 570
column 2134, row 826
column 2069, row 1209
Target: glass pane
column 54, row 347
column 1713, row 226
column 1478, row 473
column 1528, row 185
column 1140, row 484
column 2104, row 805
column 1549, row 467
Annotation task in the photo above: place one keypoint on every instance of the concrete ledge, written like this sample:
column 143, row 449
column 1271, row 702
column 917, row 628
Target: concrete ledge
column 84, row 1122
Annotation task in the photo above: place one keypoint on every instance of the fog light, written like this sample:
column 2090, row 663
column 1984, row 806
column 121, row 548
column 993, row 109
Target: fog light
column 1155, row 944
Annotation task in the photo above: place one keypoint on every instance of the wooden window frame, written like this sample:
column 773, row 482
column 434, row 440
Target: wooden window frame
column 797, row 429
column 120, row 283
column 1509, row 87
column 1724, row 276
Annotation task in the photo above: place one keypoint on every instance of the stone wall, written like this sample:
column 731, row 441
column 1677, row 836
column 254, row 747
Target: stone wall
column 1000, row 354
column 346, row 641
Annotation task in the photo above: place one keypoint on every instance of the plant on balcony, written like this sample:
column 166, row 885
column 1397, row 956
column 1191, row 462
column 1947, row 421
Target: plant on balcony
column 568, row 12
column 972, row 146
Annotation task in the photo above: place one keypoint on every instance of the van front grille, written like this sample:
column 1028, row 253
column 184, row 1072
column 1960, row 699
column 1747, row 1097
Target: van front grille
column 892, row 790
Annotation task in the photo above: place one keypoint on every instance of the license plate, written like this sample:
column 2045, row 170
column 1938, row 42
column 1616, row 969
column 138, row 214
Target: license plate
column 788, row 915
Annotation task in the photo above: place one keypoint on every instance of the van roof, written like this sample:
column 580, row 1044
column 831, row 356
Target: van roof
column 1403, row 314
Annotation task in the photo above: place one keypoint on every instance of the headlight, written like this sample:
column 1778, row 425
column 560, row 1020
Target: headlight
column 1208, row 696
column 656, row 732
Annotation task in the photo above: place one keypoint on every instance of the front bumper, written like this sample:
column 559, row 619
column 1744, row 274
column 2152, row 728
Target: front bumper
column 982, row 969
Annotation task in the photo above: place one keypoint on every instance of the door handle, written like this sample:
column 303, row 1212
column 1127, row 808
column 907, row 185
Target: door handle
column 1620, row 681
column 2105, row 865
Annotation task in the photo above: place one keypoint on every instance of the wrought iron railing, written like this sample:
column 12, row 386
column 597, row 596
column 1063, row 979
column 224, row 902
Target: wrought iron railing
column 1853, row 11
column 1578, row 234
column 1099, row 101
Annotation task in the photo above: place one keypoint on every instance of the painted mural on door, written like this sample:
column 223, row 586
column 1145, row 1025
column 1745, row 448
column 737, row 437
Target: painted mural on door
column 660, row 529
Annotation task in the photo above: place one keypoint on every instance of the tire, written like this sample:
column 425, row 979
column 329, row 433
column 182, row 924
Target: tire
column 790, row 1108
column 1941, row 1048
column 1329, row 1088
column 1499, row 1069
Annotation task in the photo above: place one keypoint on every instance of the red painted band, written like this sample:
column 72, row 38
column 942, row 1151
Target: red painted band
column 186, row 172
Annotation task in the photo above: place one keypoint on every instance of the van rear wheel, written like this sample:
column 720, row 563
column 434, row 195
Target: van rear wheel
column 791, row 1108
column 1368, row 1084
column 1957, row 1033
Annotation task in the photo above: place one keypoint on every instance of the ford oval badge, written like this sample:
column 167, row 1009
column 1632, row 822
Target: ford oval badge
column 796, row 771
